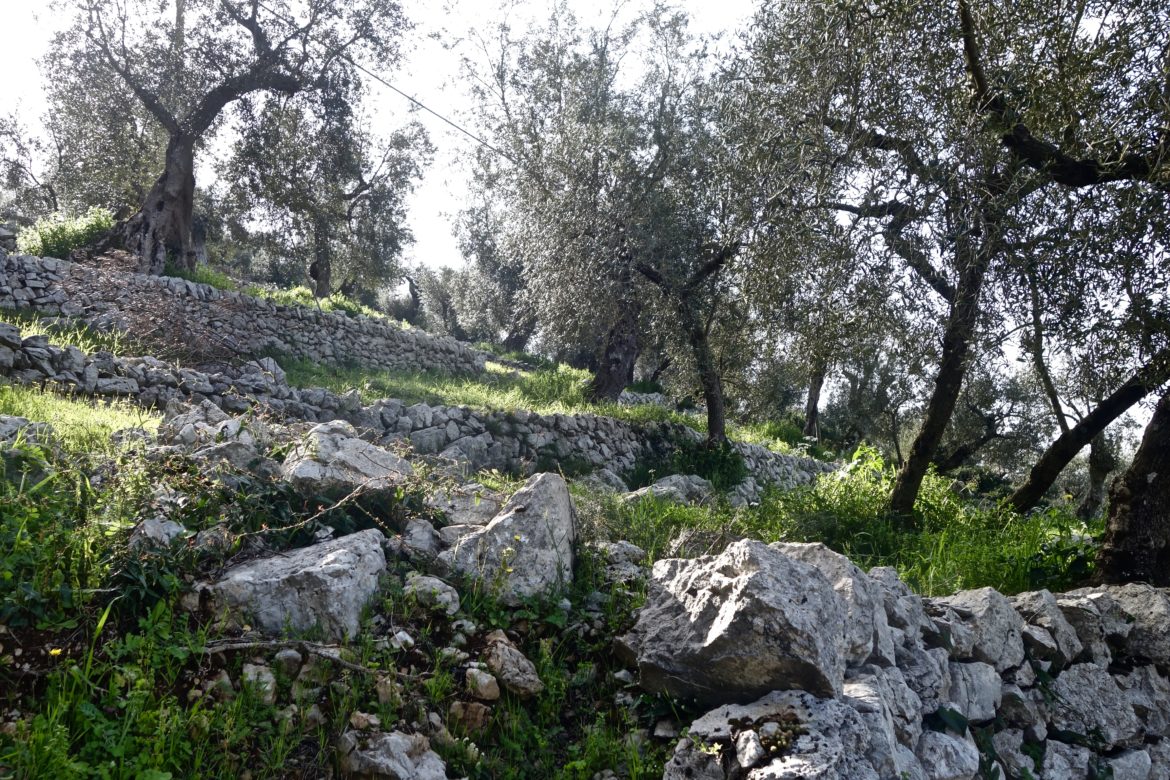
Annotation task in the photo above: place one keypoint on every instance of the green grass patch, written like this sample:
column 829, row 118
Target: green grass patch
column 559, row 390
column 961, row 544
column 303, row 296
column 79, row 424
column 203, row 274
column 58, row 235
column 66, row 332
column 515, row 355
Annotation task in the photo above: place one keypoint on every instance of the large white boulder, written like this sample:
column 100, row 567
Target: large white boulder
column 325, row 585
column 738, row 625
column 527, row 549
column 866, row 630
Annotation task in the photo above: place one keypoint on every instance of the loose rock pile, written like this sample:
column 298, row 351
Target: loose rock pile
column 807, row 666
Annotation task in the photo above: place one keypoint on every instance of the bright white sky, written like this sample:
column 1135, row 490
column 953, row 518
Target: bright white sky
column 430, row 73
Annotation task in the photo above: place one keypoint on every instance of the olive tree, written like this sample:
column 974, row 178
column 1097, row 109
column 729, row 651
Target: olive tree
column 616, row 185
column 186, row 69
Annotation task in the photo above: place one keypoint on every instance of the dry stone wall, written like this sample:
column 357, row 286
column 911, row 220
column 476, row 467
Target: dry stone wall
column 228, row 322
column 515, row 441
column 813, row 668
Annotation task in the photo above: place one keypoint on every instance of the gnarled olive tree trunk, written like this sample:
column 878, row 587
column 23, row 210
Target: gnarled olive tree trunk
column 1137, row 536
column 615, row 368
column 161, row 230
column 816, row 381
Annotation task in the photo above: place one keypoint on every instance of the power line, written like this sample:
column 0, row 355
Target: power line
column 387, row 84
column 428, row 109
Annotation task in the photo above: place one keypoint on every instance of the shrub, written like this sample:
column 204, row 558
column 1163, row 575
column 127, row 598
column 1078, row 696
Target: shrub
column 646, row 386
column 58, row 235
column 303, row 296
column 203, row 274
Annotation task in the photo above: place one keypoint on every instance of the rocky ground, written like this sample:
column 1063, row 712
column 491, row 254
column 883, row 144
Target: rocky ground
column 793, row 662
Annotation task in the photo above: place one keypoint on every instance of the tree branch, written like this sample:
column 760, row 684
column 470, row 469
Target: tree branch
column 1043, row 155
column 150, row 100
column 902, row 214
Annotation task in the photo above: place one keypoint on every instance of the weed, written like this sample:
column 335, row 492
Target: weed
column 58, row 235
column 961, row 544
column 66, row 332
column 202, row 274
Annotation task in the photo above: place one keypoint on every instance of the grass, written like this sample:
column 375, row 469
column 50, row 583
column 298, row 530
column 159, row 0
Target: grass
column 293, row 296
column 960, row 544
column 66, row 332
column 79, row 425
column 303, row 296
column 58, row 235
column 559, row 390
column 119, row 680
column 556, row 389
column 203, row 274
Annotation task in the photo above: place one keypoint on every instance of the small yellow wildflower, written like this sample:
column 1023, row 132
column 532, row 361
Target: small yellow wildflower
column 55, row 651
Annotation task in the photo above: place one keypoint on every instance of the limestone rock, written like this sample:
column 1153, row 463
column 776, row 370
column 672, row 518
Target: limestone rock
column 393, row 756
column 1159, row 760
column 995, row 623
column 510, row 666
column 1087, row 701
column 975, row 690
column 604, row 481
column 866, row 630
column 1040, row 609
column 432, row 592
column 420, row 538
column 947, row 757
column 1061, row 761
column 690, row 763
column 927, row 674
column 830, row 744
column 333, row 461
column 155, row 532
column 1148, row 692
column 623, row 561
column 1085, row 618
column 470, row 504
column 904, row 608
column 327, row 584
column 1147, row 610
column 677, row 488
column 735, row 626
column 482, row 685
column 1130, row 765
column 893, row 714
column 1008, row 746
column 527, row 549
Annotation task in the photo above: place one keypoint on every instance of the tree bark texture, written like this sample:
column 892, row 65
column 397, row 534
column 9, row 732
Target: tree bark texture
column 615, row 368
column 1068, row 444
column 708, row 372
column 1137, row 535
column 520, row 330
column 322, row 269
column 816, row 382
column 1101, row 462
column 947, row 384
column 161, row 230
